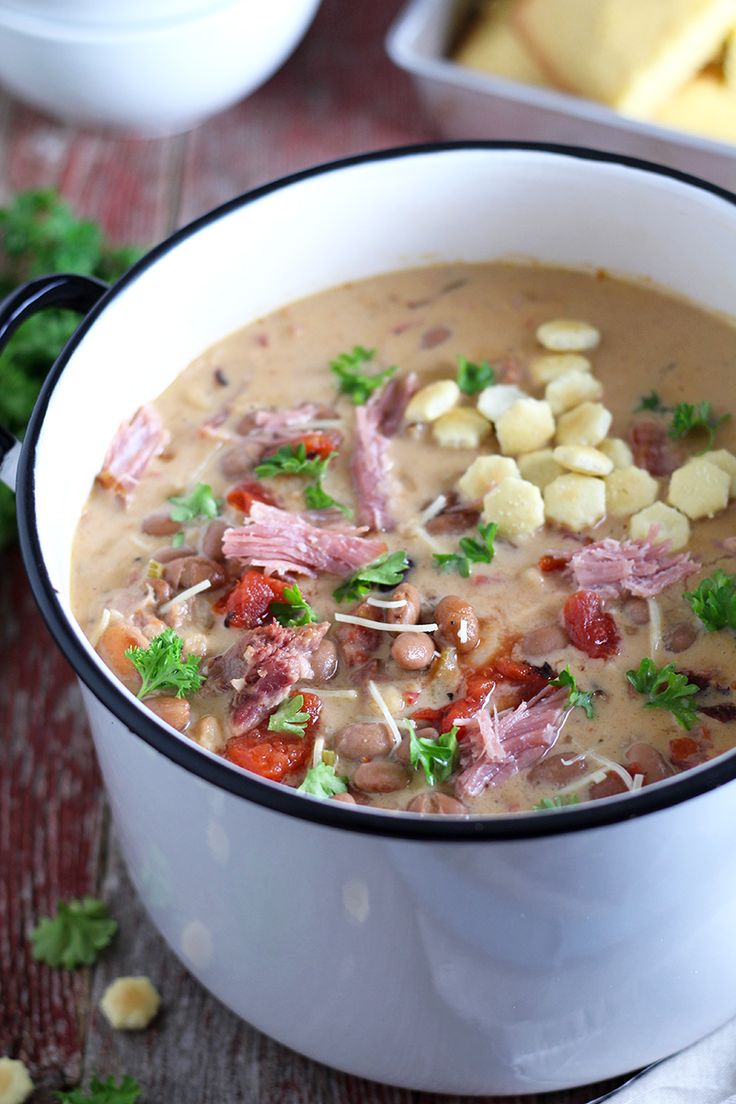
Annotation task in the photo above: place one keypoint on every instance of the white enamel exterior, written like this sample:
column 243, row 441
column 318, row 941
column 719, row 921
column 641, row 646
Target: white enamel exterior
column 464, row 967
column 155, row 76
column 468, row 104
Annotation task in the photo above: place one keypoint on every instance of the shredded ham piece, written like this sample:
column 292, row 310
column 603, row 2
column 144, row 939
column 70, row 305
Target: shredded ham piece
column 284, row 543
column 503, row 743
column 375, row 422
column 639, row 568
column 131, row 450
column 276, row 421
column 265, row 662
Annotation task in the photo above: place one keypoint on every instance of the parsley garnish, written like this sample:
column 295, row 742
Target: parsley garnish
column 714, row 601
column 294, row 610
column 437, row 757
column 651, row 401
column 200, row 503
column 352, row 383
column 583, row 699
column 687, row 417
column 388, row 571
column 665, row 688
column 292, row 460
column 161, row 666
column 471, row 551
column 317, row 498
column 103, row 1092
column 178, row 539
column 322, row 781
column 74, row 936
column 289, row 717
column 472, row 378
column 559, row 801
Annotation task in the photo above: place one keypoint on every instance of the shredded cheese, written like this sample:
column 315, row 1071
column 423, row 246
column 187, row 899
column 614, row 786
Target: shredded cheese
column 205, row 584
column 607, row 765
column 638, row 782
column 104, row 621
column 351, row 619
column 237, row 684
column 655, row 626
column 319, row 747
column 379, row 602
column 432, row 510
column 375, row 693
column 326, row 693
column 423, row 535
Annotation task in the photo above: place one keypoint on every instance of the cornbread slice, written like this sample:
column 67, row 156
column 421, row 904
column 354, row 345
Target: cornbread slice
column 707, row 105
column 492, row 45
column 630, row 54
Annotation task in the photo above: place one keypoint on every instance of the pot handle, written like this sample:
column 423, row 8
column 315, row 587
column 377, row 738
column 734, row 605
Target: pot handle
column 62, row 290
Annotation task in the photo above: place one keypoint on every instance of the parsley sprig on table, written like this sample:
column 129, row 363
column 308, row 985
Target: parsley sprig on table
column 351, row 382
column 581, row 699
column 40, row 234
column 471, row 551
column 103, row 1092
column 294, row 610
column 666, row 688
column 714, row 601
column 438, row 758
column 75, row 935
column 688, row 417
column 559, row 801
column 162, row 667
column 387, row 571
column 290, row 717
column 472, row 378
column 323, row 781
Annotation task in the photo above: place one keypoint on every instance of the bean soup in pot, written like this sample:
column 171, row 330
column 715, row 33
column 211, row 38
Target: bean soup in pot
column 453, row 540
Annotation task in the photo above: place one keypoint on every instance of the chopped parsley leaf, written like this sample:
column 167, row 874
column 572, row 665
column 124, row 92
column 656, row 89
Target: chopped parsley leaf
column 472, row 378
column 714, row 601
column 583, row 699
column 388, row 571
column 80, row 929
column 294, row 610
column 437, row 758
column 652, row 402
column 665, row 688
column 688, row 417
column 351, row 382
column 291, row 460
column 559, row 801
column 200, row 503
column 471, row 551
column 322, row 781
column 162, row 667
column 289, row 717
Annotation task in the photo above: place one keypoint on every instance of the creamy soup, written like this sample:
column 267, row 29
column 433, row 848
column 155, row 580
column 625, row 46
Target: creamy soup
column 452, row 540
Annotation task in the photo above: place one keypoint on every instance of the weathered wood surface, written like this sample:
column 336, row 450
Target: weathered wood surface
column 338, row 95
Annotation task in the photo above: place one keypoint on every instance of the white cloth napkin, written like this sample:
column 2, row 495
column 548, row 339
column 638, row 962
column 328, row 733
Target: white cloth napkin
column 705, row 1073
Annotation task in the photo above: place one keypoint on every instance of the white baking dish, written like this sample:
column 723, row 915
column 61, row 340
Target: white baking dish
column 491, row 955
column 468, row 104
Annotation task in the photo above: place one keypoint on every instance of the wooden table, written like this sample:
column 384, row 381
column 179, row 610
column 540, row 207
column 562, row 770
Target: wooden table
column 337, row 95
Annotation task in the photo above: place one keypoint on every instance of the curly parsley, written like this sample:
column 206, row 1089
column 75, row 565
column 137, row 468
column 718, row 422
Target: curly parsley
column 357, row 386
column 75, row 936
column 665, row 688
column 323, row 781
column 688, row 417
column 471, row 551
column 714, row 601
column 162, row 667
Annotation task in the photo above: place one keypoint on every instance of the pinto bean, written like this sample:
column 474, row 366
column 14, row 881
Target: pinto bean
column 160, row 589
column 439, row 803
column 239, row 459
column 324, row 661
column 558, row 770
column 380, row 776
column 680, row 637
column 408, row 614
column 212, row 540
column 112, row 646
column 637, row 610
column 363, row 741
column 449, row 614
column 344, row 799
column 189, row 570
column 452, row 521
column 413, row 651
column 544, row 641
column 166, row 555
column 644, row 759
column 174, row 711
column 160, row 525
column 609, row 786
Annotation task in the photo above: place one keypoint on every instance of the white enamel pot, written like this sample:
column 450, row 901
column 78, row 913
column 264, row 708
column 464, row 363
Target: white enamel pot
column 507, row 955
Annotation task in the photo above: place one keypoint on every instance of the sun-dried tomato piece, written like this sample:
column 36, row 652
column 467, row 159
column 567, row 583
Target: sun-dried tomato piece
column 249, row 602
column 589, row 626
column 270, row 754
column 689, row 751
column 244, row 494
column 548, row 564
column 316, row 444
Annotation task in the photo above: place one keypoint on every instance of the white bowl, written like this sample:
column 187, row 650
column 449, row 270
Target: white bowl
column 150, row 77
column 491, row 955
